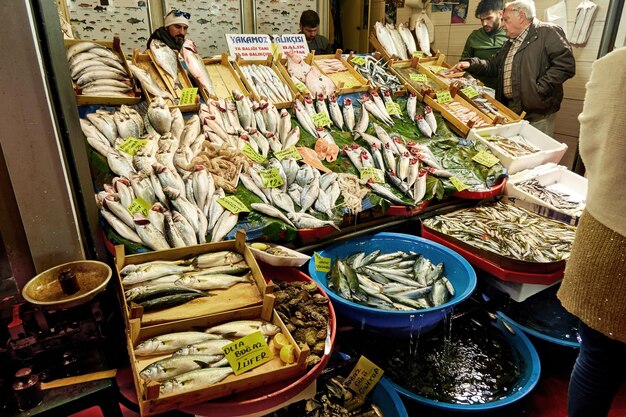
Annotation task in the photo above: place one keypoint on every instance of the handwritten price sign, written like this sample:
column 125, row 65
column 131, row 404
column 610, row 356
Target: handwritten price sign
column 271, row 178
column 131, row 145
column 188, row 96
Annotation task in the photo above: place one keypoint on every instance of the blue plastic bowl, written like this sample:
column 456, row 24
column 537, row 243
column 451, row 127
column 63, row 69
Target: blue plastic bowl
column 457, row 270
column 528, row 359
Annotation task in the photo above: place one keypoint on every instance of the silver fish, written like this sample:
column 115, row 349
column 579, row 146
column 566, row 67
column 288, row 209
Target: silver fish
column 241, row 328
column 226, row 222
column 212, row 281
column 170, row 367
column 193, row 380
column 169, row 343
column 166, row 58
column 120, row 227
column 272, row 211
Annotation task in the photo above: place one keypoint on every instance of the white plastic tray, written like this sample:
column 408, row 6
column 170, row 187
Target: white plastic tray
column 296, row 260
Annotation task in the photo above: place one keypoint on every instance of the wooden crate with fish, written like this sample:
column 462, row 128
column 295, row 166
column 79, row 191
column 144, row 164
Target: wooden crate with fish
column 224, row 78
column 100, row 73
column 346, row 79
column 461, row 115
column 265, row 81
column 416, row 81
column 194, row 281
column 182, row 364
column 379, row 74
column 489, row 106
column 162, row 83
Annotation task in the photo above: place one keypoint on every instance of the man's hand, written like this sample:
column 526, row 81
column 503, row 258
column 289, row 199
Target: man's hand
column 460, row 66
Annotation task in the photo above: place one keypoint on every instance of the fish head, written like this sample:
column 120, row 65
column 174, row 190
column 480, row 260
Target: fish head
column 428, row 109
column 347, row 102
column 158, row 207
column 419, row 117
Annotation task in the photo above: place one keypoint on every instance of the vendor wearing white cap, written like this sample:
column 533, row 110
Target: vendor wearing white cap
column 174, row 31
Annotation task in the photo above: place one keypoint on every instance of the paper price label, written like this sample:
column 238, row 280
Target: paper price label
column 392, row 108
column 322, row 264
column 271, row 178
column 375, row 174
column 188, row 96
column 486, row 158
column 131, row 145
column 418, row 54
column 233, row 204
column 443, row 97
column 252, row 154
column 139, row 205
column 302, row 88
column 470, row 92
column 491, row 138
column 420, row 78
column 364, row 376
column 358, row 60
column 247, row 353
column 291, row 152
column 321, row 119
column 436, row 69
column 458, row 184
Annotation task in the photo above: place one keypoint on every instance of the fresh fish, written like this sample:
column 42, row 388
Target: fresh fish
column 226, row 222
column 212, row 346
column 148, row 83
column 364, row 121
column 241, row 328
column 272, row 212
column 348, row 114
column 408, row 39
column 429, row 116
column 244, row 111
column 119, row 164
column 166, row 58
column 423, row 39
column 281, row 200
column 310, row 192
column 98, row 73
column 167, row 301
column 185, row 229
column 216, row 209
column 212, row 281
column 384, row 37
column 194, row 380
column 148, row 291
column 335, row 111
column 284, row 126
column 120, row 227
column 423, row 126
column 150, row 235
column 196, row 67
column 159, row 116
column 170, row 367
column 220, row 258
column 398, row 42
column 411, row 106
column 385, row 193
column 169, row 343
column 306, row 221
column 184, row 206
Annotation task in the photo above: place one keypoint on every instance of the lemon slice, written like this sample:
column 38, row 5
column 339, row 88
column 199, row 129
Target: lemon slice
column 287, row 354
column 280, row 340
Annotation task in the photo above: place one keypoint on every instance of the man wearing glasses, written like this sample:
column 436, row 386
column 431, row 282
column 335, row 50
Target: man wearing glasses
column 174, row 31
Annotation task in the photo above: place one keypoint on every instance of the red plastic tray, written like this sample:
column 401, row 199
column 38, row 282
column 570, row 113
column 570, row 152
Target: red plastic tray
column 311, row 235
column 479, row 195
column 496, row 270
column 404, row 211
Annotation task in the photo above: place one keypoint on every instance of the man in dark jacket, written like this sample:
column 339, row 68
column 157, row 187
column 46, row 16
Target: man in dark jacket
column 531, row 67
column 309, row 26
column 173, row 32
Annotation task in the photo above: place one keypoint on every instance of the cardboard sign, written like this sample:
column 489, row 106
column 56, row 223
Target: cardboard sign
column 458, row 184
column 271, row 178
column 377, row 175
column 139, row 205
column 392, row 108
column 302, row 88
column 247, row 353
column 364, row 376
column 233, row 204
column 358, row 60
column 470, row 92
column 443, row 97
column 291, row 152
column 287, row 42
column 486, row 158
column 420, row 78
column 322, row 264
column 188, row 96
column 249, row 46
column 321, row 119
column 252, row 154
column 131, row 145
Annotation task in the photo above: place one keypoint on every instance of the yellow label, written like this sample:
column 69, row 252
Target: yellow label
column 188, row 96
column 458, row 184
column 252, row 154
column 139, row 205
column 271, row 178
column 392, row 108
column 444, row 97
column 418, row 54
column 470, row 92
column 358, row 60
column 364, row 376
column 321, row 119
column 291, row 152
column 421, row 78
column 247, row 353
column 302, row 88
column 131, row 145
column 436, row 69
column 486, row 158
column 322, row 264
column 374, row 173
column 233, row 204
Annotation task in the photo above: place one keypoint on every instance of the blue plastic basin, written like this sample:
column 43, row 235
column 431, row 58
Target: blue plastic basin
column 456, row 269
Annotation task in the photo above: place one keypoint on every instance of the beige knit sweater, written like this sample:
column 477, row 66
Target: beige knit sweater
column 594, row 287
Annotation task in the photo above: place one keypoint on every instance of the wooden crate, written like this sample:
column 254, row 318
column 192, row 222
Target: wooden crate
column 224, row 78
column 148, row 395
column 356, row 82
column 238, row 296
column 380, row 49
column 420, row 89
column 268, row 63
column 145, row 61
column 401, row 92
column 134, row 95
column 457, row 125
column 506, row 115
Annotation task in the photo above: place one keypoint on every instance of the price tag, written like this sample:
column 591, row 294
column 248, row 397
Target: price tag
column 418, row 54
column 392, row 108
column 374, row 173
column 364, row 376
column 291, row 152
column 271, row 178
column 302, row 88
column 139, row 205
column 486, row 158
column 233, row 204
column 420, row 78
column 491, row 138
column 349, row 85
column 247, row 353
column 458, row 184
column 444, row 97
column 188, row 96
column 436, row 68
column 131, row 145
column 252, row 154
column 358, row 60
column 470, row 92
column 322, row 264
column 321, row 119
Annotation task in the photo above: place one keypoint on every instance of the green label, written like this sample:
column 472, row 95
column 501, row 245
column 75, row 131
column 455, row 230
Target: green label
column 377, row 175
column 188, row 96
column 302, row 88
column 271, row 178
column 458, row 184
column 131, row 145
column 436, row 68
column 444, row 97
column 247, row 353
column 252, row 154
column 421, row 78
column 470, row 92
column 364, row 376
column 358, row 60
column 392, row 108
column 233, row 204
column 321, row 119
column 139, row 205
column 322, row 264
column 486, row 158
column 291, row 152
column 418, row 54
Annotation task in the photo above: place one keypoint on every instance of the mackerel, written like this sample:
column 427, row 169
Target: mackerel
column 194, row 380
column 170, row 367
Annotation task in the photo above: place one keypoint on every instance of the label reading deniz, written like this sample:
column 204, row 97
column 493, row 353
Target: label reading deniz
column 247, row 353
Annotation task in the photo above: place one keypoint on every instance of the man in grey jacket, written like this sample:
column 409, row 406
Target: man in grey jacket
column 531, row 67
